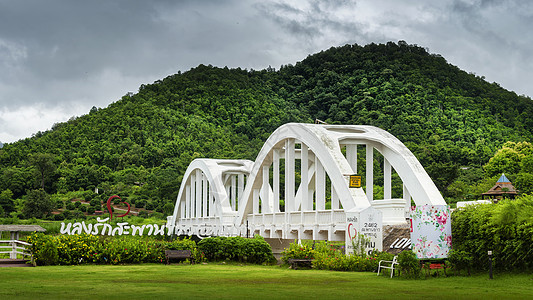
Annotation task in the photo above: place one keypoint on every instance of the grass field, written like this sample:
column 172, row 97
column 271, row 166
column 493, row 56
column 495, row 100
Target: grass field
column 238, row 282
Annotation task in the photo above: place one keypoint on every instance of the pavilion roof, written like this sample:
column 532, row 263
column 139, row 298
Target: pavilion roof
column 502, row 186
column 21, row 228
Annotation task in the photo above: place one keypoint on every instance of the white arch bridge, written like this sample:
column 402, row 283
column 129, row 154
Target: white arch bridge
column 298, row 187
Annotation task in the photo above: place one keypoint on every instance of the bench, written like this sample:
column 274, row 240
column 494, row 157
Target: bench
column 436, row 266
column 300, row 262
column 179, row 254
column 388, row 264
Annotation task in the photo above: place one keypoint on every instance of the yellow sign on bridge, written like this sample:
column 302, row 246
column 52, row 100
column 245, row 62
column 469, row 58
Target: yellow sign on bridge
column 355, row 181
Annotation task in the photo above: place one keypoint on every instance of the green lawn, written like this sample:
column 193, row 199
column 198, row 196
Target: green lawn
column 235, row 281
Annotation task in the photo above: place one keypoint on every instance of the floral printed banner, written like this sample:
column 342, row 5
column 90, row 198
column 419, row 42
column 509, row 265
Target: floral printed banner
column 431, row 231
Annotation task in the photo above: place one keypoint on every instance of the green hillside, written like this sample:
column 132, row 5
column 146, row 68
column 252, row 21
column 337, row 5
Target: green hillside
column 140, row 146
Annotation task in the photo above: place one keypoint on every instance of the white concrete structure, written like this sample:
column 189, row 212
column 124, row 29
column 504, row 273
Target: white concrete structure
column 298, row 185
column 466, row 203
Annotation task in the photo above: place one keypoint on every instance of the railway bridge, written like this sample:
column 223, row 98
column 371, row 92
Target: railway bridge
column 298, row 187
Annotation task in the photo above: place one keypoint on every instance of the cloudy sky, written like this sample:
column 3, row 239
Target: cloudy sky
column 59, row 58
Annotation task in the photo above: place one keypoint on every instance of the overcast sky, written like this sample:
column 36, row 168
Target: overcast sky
column 60, row 58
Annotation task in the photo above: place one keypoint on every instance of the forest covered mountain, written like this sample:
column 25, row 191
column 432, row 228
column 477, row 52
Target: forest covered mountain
column 140, row 146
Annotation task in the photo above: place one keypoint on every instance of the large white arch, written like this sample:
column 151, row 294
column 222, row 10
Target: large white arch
column 324, row 146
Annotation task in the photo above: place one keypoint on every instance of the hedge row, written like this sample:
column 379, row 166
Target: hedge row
column 82, row 249
column 327, row 256
column 238, row 249
column 505, row 228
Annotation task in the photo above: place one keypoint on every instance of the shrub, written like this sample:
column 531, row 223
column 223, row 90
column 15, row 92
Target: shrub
column 140, row 203
column 150, row 206
column 158, row 215
column 337, row 261
column 67, row 214
column 297, row 251
column 506, row 228
column 239, row 249
column 409, row 264
column 48, row 253
column 460, row 260
column 96, row 202
column 257, row 251
column 59, row 217
column 186, row 244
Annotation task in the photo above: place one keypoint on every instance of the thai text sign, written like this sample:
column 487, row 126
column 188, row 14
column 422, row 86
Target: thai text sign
column 365, row 223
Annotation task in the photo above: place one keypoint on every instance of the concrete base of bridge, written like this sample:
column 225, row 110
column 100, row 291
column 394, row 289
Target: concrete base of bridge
column 278, row 245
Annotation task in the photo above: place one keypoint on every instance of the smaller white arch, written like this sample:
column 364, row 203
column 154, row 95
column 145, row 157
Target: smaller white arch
column 216, row 173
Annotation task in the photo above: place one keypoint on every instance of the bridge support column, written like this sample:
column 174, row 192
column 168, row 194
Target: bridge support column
column 275, row 179
column 204, row 196
column 320, row 185
column 233, row 195
column 255, row 200
column 351, row 156
column 212, row 206
column 386, row 179
column 198, row 194
column 370, row 173
column 188, row 201
column 289, row 176
column 240, row 189
column 334, row 198
column 304, row 185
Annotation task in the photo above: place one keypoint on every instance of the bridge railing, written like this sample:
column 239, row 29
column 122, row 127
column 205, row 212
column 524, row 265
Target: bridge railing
column 299, row 224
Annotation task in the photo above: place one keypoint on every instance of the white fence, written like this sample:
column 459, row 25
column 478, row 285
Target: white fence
column 15, row 248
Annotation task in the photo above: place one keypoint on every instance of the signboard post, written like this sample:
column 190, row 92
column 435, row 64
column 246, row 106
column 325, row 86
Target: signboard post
column 364, row 230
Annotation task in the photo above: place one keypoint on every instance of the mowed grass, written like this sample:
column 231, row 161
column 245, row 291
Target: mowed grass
column 181, row 281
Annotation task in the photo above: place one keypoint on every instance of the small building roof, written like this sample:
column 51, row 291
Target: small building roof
column 15, row 228
column 503, row 178
column 502, row 187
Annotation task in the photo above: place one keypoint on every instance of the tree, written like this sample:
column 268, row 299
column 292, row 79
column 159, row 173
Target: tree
column 6, row 201
column 168, row 209
column 44, row 164
column 506, row 160
column 524, row 183
column 37, row 204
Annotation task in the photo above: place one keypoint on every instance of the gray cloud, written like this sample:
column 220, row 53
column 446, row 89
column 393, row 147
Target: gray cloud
column 59, row 58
